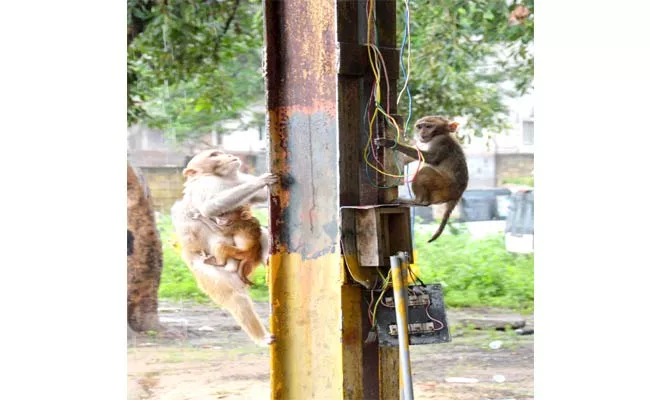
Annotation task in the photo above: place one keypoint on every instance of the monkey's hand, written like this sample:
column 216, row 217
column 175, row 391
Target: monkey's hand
column 252, row 189
column 384, row 142
column 269, row 178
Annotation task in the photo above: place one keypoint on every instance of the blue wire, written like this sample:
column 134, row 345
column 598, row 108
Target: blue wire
column 408, row 91
column 407, row 30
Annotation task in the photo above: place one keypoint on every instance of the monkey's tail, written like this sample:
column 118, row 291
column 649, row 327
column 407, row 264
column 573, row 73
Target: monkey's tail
column 445, row 218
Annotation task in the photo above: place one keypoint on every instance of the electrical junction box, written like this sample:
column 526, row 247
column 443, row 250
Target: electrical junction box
column 427, row 319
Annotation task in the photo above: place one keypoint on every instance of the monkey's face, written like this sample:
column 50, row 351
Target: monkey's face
column 212, row 162
column 428, row 127
column 225, row 164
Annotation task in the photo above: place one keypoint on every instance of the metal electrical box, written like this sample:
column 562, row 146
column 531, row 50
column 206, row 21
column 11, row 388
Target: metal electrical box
column 427, row 319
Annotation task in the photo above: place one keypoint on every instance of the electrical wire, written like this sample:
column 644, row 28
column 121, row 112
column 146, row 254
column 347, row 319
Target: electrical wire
column 377, row 64
column 407, row 75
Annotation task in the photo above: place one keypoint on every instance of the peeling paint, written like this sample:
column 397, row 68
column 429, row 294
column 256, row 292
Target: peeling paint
column 304, row 212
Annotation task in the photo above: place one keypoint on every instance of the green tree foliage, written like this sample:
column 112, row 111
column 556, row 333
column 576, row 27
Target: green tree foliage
column 192, row 63
column 462, row 53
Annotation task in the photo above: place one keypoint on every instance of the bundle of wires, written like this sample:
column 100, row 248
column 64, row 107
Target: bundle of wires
column 371, row 115
column 378, row 66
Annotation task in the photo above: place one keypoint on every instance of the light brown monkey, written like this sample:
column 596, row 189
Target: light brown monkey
column 246, row 232
column 443, row 176
column 215, row 187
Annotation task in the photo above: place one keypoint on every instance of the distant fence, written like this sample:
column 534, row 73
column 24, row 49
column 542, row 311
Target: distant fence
column 513, row 165
column 165, row 185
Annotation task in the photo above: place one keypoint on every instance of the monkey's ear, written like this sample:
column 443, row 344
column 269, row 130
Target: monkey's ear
column 453, row 126
column 189, row 172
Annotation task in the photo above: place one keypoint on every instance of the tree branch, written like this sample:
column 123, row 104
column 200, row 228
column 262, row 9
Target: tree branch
column 231, row 17
column 224, row 31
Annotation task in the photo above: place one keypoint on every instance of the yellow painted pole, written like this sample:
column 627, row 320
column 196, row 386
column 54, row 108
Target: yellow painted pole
column 399, row 272
column 304, row 265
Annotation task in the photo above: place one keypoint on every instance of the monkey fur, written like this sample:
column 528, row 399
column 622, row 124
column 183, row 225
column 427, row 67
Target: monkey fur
column 144, row 255
column 215, row 187
column 443, row 176
column 246, row 232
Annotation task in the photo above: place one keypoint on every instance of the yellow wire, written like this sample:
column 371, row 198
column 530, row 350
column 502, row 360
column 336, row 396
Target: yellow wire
column 371, row 7
column 365, row 152
column 377, row 74
column 381, row 295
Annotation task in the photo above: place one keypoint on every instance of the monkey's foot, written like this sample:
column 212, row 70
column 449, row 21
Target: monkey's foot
column 269, row 339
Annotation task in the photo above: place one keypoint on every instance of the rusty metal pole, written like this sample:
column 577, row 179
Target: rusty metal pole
column 317, row 78
column 304, row 265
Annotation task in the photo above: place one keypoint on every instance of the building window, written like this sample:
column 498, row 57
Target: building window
column 529, row 133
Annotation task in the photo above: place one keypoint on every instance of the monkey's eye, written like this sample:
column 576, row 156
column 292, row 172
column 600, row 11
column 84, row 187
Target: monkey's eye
column 216, row 153
column 418, row 126
column 429, row 126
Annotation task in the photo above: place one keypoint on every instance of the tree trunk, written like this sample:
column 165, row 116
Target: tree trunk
column 144, row 256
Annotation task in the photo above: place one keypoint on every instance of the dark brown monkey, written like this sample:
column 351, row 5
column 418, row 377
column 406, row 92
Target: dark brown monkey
column 144, row 255
column 246, row 232
column 443, row 176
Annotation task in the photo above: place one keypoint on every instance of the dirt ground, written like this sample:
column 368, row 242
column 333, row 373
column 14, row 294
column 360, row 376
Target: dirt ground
column 212, row 358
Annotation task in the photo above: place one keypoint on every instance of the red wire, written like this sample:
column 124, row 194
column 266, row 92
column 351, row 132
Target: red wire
column 431, row 318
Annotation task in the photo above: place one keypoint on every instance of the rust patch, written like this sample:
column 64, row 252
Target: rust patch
column 301, row 83
column 304, row 208
column 300, row 40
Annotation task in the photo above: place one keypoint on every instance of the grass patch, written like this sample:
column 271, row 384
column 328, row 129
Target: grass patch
column 473, row 272
column 476, row 272
column 527, row 181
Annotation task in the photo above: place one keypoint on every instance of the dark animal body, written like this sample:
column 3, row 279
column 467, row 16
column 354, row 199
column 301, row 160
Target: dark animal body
column 129, row 242
column 144, row 255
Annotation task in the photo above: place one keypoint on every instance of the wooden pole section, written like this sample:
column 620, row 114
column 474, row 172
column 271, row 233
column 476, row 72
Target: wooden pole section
column 316, row 93
column 378, row 378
